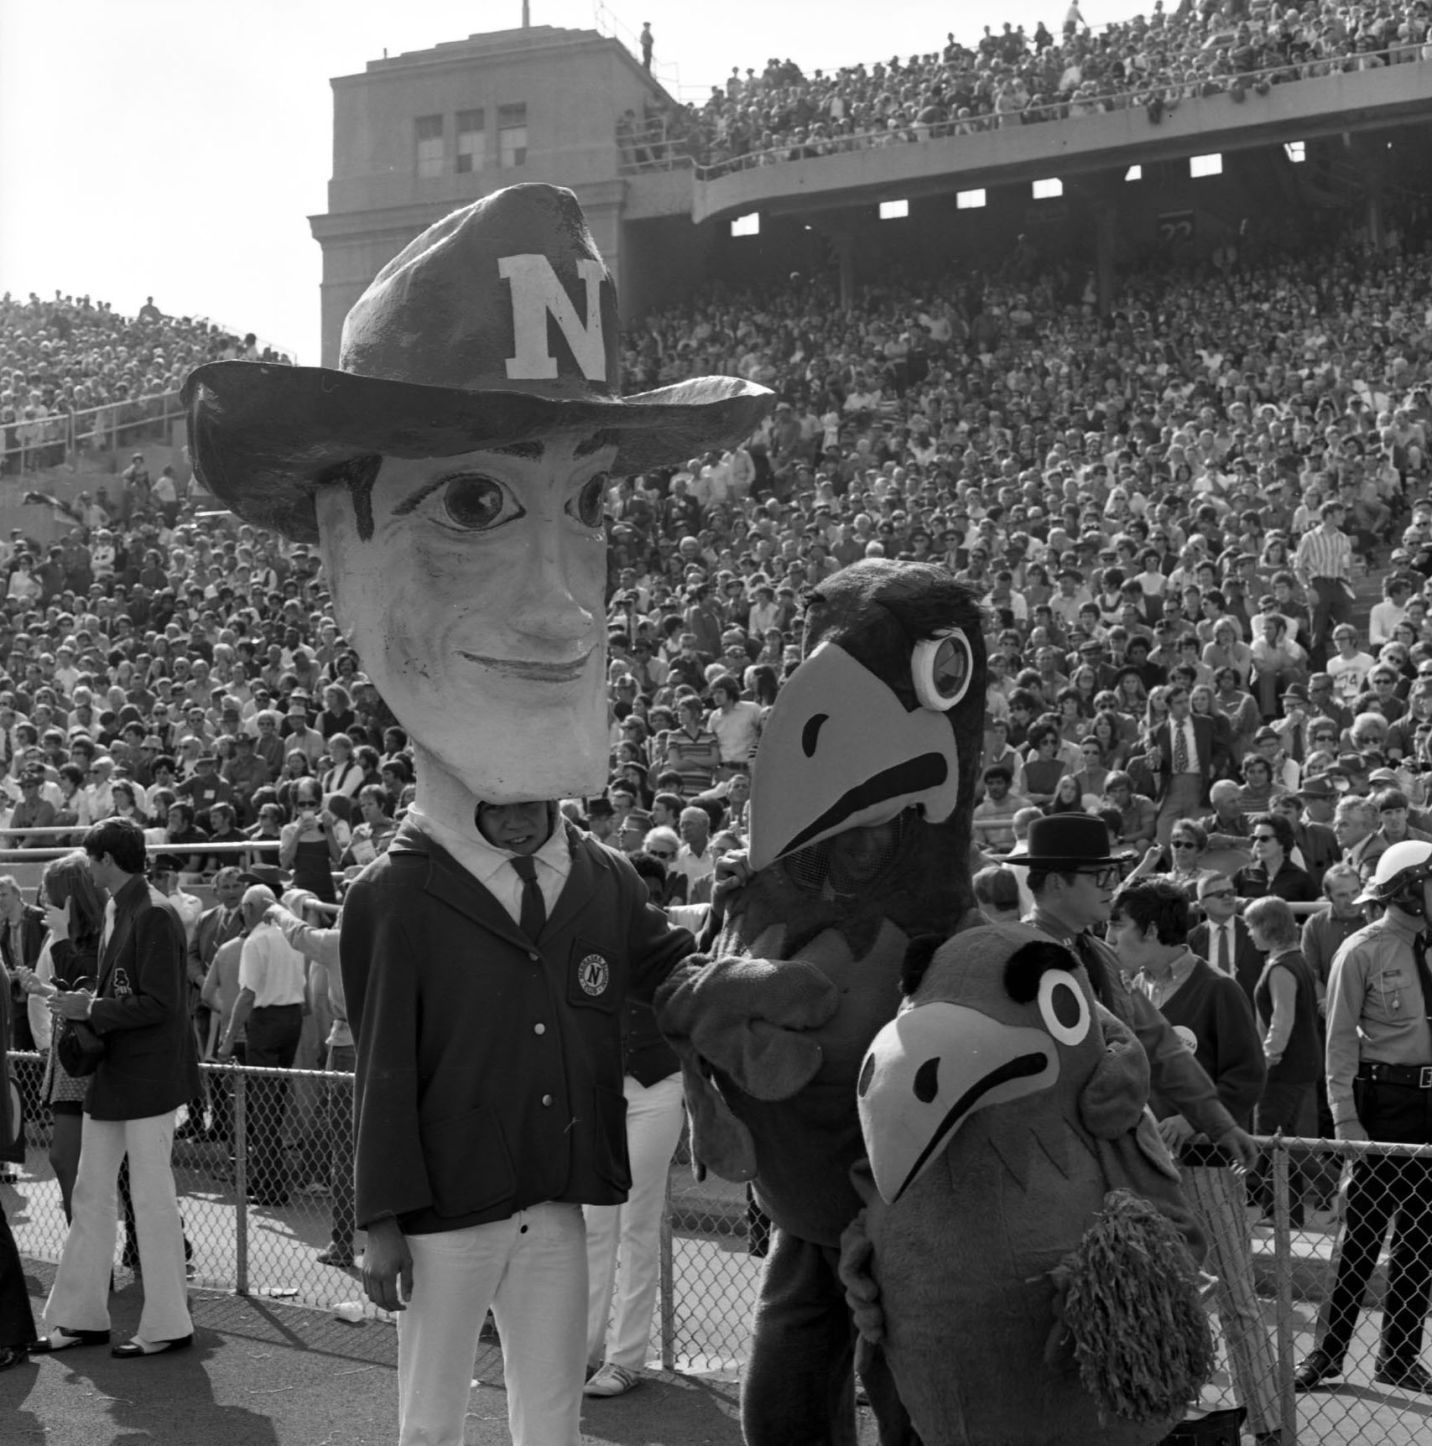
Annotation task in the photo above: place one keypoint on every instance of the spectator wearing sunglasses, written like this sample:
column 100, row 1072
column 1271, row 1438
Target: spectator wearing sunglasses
column 1273, row 872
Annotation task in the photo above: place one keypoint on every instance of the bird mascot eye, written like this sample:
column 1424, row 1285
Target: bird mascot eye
column 942, row 667
column 1064, row 1007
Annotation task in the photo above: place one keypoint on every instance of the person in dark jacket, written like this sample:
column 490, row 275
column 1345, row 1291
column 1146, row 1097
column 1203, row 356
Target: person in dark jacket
column 17, row 1323
column 487, row 979
column 150, row 1068
column 1149, row 931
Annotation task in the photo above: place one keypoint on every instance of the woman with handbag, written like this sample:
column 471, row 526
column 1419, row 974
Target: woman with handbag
column 150, row 1068
column 69, row 959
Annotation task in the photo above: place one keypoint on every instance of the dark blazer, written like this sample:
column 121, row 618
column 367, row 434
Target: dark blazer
column 141, row 1010
column 208, row 936
column 1247, row 961
column 489, row 1069
column 1208, row 754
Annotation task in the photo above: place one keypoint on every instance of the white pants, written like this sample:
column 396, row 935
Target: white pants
column 654, row 1116
column 531, row 1269
column 79, row 1298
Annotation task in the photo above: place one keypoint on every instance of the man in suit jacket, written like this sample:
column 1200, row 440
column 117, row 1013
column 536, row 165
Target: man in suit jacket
column 1223, row 938
column 216, row 926
column 488, row 1010
column 150, row 1068
column 1185, row 762
column 22, row 932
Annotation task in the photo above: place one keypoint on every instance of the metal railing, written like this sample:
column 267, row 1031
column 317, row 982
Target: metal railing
column 32, row 444
column 263, row 1194
column 658, row 145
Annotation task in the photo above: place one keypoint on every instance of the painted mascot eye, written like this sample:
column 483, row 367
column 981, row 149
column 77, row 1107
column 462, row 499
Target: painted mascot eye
column 942, row 668
column 1063, row 1007
column 588, row 504
column 475, row 503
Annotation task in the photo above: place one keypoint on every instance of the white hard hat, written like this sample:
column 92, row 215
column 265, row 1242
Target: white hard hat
column 1402, row 866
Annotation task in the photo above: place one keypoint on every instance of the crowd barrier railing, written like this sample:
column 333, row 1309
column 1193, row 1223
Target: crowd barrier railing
column 657, row 145
column 262, row 1194
column 29, row 445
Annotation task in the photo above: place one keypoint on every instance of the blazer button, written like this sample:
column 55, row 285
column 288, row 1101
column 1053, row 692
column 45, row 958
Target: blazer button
column 547, row 1100
column 534, row 956
column 539, row 1029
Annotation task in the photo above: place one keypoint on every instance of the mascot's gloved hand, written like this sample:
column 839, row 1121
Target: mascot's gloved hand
column 719, row 1140
column 857, row 1260
column 1113, row 1097
column 750, row 1018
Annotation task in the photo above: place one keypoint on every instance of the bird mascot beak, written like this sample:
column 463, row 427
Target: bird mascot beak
column 840, row 751
column 928, row 1070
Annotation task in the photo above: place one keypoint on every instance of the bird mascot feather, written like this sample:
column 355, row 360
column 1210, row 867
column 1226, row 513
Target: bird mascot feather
column 1025, row 1230
column 861, row 795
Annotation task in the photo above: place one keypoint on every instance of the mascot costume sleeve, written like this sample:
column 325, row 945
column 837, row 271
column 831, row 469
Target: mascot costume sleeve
column 860, row 839
column 1026, row 1230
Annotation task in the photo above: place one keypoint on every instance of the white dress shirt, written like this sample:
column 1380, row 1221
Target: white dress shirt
column 271, row 967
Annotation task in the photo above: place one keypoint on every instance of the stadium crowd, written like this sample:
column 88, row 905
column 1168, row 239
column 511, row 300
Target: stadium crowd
column 75, row 369
column 1170, row 512
column 1007, row 78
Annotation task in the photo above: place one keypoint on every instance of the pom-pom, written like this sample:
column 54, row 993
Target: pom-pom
column 1131, row 1312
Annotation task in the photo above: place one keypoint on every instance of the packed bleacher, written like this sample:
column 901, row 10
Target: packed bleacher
column 1152, row 61
column 76, row 373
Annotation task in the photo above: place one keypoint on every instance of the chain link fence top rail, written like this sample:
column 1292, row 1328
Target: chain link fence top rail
column 261, row 1174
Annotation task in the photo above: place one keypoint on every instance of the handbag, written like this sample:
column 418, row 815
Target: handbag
column 78, row 1046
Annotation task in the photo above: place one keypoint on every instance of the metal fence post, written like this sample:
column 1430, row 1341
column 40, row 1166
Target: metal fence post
column 667, row 1288
column 1283, row 1257
column 241, row 1185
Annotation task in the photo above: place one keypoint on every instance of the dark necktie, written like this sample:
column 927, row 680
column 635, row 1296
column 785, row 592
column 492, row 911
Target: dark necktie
column 534, row 907
column 1424, row 974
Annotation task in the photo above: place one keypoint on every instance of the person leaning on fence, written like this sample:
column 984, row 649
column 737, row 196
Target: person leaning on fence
column 150, row 1067
column 320, row 944
column 1148, row 931
column 1286, row 1000
column 1379, row 1073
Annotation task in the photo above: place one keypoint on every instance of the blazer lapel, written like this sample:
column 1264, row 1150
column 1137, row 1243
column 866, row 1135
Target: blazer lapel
column 578, row 889
column 449, row 881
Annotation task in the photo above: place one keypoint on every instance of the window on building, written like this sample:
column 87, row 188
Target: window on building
column 512, row 135
column 471, row 141
column 430, row 145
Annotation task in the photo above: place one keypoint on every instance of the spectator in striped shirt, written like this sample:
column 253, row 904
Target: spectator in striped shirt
column 1323, row 565
column 692, row 749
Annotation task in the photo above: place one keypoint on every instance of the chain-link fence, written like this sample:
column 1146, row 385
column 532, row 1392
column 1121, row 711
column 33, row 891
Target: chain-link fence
column 264, row 1173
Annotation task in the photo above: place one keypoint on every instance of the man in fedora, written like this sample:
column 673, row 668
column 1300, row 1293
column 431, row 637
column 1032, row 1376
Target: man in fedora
column 1072, row 876
column 454, row 470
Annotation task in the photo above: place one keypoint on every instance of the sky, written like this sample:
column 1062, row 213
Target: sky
column 176, row 149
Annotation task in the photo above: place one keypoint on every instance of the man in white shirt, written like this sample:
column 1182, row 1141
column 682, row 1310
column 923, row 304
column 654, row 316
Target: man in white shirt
column 695, row 861
column 1350, row 667
column 273, row 993
column 737, row 725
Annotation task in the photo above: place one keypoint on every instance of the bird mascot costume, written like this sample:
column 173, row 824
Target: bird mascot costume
column 1026, row 1231
column 859, row 842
